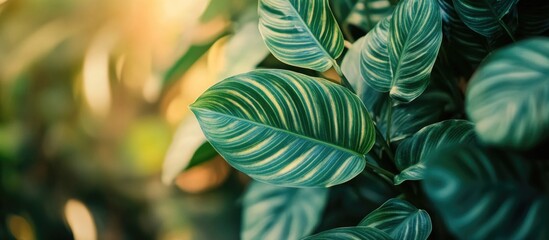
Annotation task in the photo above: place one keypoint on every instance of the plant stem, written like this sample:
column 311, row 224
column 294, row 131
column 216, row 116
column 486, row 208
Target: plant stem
column 389, row 119
column 384, row 146
column 381, row 171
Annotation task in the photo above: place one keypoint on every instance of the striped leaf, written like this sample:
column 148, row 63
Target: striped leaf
column 413, row 153
column 485, row 194
column 508, row 96
column 407, row 118
column 301, row 33
column 401, row 51
column 472, row 46
column 400, row 220
column 273, row 212
column 484, row 16
column 286, row 128
column 184, row 150
column 345, row 233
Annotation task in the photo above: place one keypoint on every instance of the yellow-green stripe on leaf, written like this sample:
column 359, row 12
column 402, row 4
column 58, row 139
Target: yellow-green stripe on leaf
column 287, row 128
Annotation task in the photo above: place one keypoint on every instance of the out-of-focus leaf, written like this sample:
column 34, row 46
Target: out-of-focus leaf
column 183, row 149
column 367, row 13
column 273, row 212
column 484, row 17
column 413, row 153
column 243, row 51
column 302, row 33
column 485, row 194
column 400, row 220
column 345, row 233
column 508, row 96
column 280, row 127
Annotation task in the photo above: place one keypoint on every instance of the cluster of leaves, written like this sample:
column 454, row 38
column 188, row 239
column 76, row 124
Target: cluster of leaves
column 400, row 130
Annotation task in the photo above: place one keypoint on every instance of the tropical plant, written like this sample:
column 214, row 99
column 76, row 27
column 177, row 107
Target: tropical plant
column 436, row 129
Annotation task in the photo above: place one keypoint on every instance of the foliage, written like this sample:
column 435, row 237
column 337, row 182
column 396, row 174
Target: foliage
column 401, row 113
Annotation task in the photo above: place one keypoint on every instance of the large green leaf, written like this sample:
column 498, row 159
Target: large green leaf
column 401, row 50
column 400, row 219
column 345, row 233
column 484, row 16
column 485, row 194
column 508, row 97
column 413, row 153
column 273, row 212
column 302, row 33
column 472, row 46
column 287, row 128
column 407, row 118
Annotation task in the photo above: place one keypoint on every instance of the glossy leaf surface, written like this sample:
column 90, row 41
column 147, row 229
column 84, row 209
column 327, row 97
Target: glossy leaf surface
column 287, row 128
column 302, row 33
column 401, row 50
column 400, row 220
column 413, row 153
column 273, row 212
column 345, row 233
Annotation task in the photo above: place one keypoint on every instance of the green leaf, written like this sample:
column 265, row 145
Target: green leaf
column 345, row 233
column 408, row 118
column 472, row 46
column 400, row 219
column 302, row 33
column 485, row 194
column 273, row 212
column 286, row 128
column 413, row 153
column 401, row 50
column 508, row 96
column 367, row 13
column 188, row 148
column 484, row 16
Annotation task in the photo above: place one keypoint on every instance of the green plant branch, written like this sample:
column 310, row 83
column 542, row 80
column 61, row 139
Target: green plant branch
column 380, row 171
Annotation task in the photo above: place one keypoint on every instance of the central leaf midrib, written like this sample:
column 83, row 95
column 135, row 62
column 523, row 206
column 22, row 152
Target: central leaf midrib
column 396, row 73
column 311, row 33
column 284, row 131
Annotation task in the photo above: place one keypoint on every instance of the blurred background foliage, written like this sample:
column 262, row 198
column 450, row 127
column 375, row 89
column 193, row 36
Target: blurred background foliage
column 91, row 94
column 94, row 92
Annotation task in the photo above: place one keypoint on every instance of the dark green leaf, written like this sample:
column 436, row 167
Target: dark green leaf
column 508, row 96
column 287, row 128
column 484, row 16
column 273, row 212
column 413, row 153
column 367, row 13
column 345, row 233
column 400, row 220
column 484, row 194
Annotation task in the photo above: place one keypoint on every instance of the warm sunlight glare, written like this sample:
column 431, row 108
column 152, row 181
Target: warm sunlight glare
column 20, row 228
column 80, row 220
column 96, row 73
